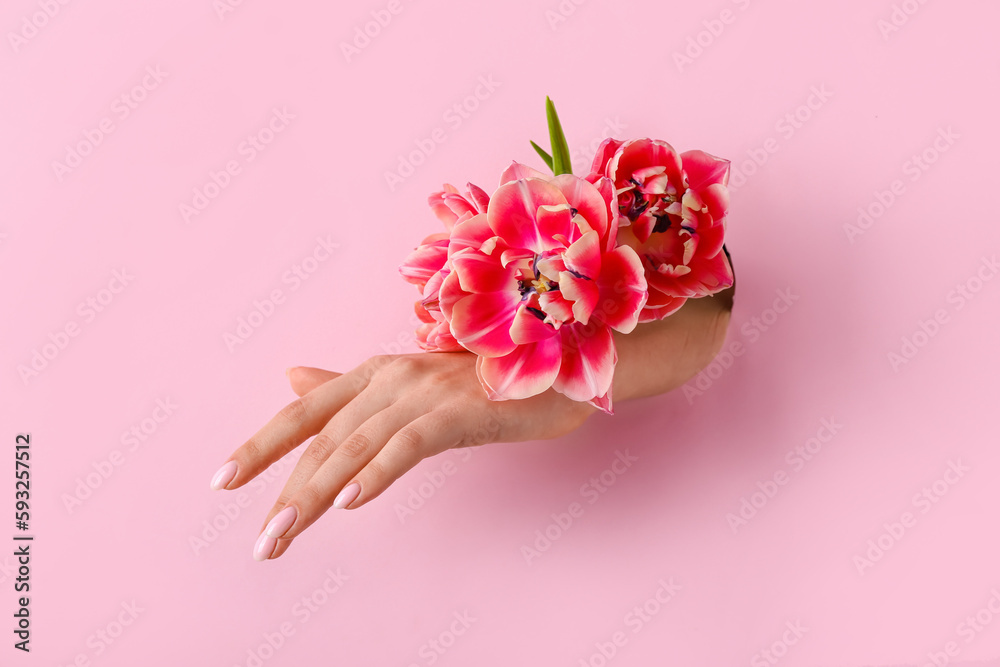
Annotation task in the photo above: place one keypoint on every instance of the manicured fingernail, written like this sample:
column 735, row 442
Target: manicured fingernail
column 224, row 476
column 281, row 522
column 264, row 547
column 347, row 496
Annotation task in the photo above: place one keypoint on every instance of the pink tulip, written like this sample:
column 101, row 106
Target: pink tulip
column 427, row 266
column 450, row 205
column 673, row 214
column 425, row 261
column 536, row 285
column 434, row 332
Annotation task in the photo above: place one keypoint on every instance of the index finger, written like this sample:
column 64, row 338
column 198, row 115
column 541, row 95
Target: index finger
column 294, row 424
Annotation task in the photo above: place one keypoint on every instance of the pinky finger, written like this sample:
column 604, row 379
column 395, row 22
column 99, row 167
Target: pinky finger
column 425, row 436
column 304, row 378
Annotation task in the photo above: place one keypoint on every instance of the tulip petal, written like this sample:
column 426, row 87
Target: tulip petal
column 433, row 287
column 422, row 314
column 703, row 169
column 481, row 322
column 482, row 273
column 582, row 292
column 451, row 291
column 640, row 153
column 516, row 171
column 587, row 200
column 514, row 255
column 651, row 314
column 710, row 275
column 479, row 197
column 704, row 276
column 583, row 258
column 528, row 214
column 588, row 362
column 444, row 212
column 436, row 338
column 426, row 260
column 556, row 306
column 643, row 225
column 606, row 188
column 605, row 152
column 470, row 233
column 716, row 198
column 710, row 237
column 529, row 325
column 459, row 205
column 550, row 266
column 526, row 371
column 603, row 403
column 623, row 289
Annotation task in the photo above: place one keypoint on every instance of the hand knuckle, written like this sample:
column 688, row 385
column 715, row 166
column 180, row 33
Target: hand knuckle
column 409, row 440
column 373, row 365
column 355, row 446
column 378, row 360
column 470, row 438
column 295, row 412
column 449, row 413
column 403, row 365
column 375, row 470
column 319, row 449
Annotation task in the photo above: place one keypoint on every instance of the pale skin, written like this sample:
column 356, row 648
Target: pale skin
column 375, row 422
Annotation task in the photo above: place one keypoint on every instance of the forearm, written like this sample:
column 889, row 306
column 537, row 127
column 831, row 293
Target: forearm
column 660, row 356
column 654, row 358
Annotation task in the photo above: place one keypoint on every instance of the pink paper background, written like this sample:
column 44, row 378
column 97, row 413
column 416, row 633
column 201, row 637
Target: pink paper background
column 610, row 67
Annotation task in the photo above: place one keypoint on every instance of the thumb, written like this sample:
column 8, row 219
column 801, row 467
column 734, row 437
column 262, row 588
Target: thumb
column 305, row 378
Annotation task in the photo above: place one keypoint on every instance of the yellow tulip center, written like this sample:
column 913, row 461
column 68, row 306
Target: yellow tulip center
column 541, row 284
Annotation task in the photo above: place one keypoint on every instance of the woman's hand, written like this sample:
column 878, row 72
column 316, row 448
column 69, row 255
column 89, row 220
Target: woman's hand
column 374, row 423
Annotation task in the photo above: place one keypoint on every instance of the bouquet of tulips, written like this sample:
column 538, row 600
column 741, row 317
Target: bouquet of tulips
column 534, row 278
